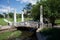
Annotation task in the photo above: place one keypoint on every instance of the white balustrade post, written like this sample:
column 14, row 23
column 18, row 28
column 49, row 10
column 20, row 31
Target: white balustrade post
column 41, row 16
column 22, row 16
column 41, row 19
column 15, row 18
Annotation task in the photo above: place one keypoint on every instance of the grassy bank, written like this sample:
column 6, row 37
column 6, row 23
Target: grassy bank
column 2, row 22
column 57, row 21
column 7, row 35
column 52, row 33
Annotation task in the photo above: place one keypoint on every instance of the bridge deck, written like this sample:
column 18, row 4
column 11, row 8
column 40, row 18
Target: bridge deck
column 26, row 24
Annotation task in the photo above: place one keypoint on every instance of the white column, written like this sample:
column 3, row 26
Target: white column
column 41, row 16
column 41, row 19
column 22, row 16
column 15, row 17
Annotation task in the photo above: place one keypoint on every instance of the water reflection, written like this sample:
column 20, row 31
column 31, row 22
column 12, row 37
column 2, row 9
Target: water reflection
column 25, row 35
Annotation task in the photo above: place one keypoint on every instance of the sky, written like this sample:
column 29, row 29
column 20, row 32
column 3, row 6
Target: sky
column 10, row 5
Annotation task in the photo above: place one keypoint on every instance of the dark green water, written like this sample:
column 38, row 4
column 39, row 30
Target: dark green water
column 25, row 36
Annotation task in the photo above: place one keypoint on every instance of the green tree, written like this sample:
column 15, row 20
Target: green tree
column 51, row 10
column 28, row 8
column 36, row 11
column 11, row 15
column 1, row 16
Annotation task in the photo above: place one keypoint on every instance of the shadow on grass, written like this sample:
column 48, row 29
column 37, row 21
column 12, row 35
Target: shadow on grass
column 52, row 33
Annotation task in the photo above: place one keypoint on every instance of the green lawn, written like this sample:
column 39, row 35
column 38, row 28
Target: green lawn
column 57, row 21
column 2, row 22
column 5, row 35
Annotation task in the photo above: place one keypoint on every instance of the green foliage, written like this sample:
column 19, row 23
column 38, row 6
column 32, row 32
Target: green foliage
column 28, row 8
column 1, row 16
column 5, row 15
column 11, row 15
column 52, row 33
column 46, row 31
column 57, row 21
column 36, row 11
column 2, row 22
column 50, row 8
column 18, row 15
column 5, row 35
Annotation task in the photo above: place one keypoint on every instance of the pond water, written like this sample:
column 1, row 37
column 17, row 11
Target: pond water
column 25, row 35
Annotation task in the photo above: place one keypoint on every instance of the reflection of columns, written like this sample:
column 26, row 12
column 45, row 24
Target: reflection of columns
column 15, row 17
column 41, row 16
column 22, row 16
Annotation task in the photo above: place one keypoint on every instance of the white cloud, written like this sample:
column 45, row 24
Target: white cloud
column 29, row 1
column 33, row 1
column 5, row 8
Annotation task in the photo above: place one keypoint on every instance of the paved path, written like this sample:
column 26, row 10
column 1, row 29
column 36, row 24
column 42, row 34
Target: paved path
column 5, row 27
column 58, row 26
